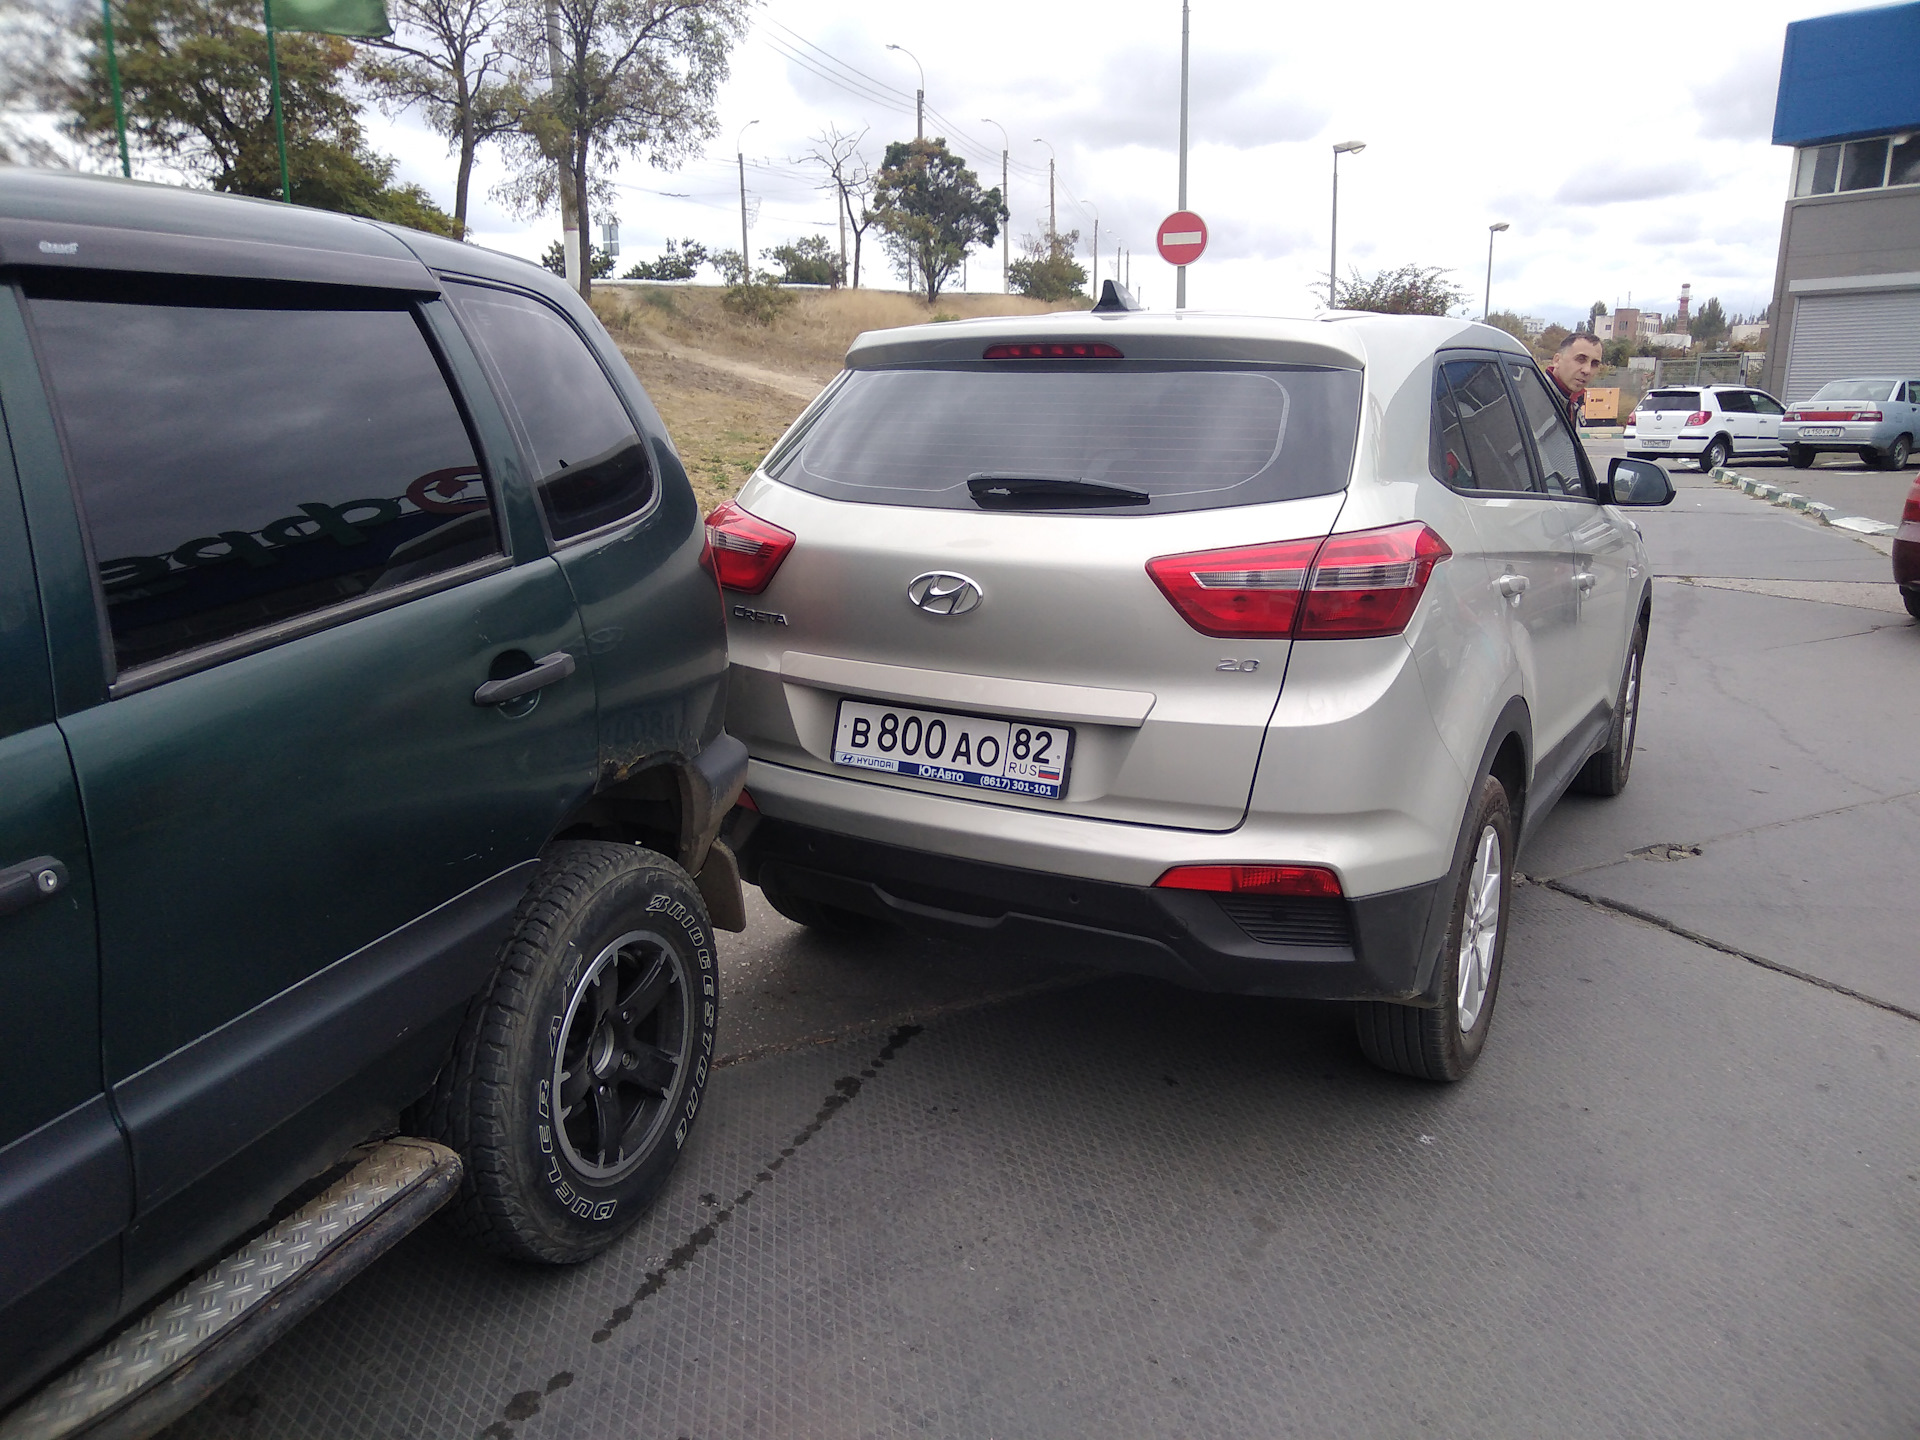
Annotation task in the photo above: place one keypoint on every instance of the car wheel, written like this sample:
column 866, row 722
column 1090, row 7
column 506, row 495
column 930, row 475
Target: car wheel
column 1717, row 453
column 818, row 915
column 1800, row 457
column 1605, row 772
column 1443, row 1043
column 1911, row 599
column 579, row 1071
column 1894, row 457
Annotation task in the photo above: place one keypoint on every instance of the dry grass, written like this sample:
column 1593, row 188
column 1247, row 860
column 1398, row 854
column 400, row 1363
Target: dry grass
column 724, row 423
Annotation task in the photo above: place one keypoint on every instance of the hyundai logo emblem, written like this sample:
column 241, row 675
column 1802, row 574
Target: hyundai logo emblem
column 939, row 593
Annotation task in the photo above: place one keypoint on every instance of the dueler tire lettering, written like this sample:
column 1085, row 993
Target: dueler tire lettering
column 577, row 1075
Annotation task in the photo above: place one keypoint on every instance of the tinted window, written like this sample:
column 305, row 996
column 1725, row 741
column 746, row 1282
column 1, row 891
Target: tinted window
column 1734, row 402
column 1765, row 404
column 1904, row 168
column 1559, row 452
column 1671, row 400
column 1185, row 438
column 1864, row 167
column 591, row 464
column 246, row 456
column 1448, row 456
column 1488, row 424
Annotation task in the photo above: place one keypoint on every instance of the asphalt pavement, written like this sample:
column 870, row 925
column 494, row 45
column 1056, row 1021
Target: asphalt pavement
column 941, row 1194
column 1848, row 484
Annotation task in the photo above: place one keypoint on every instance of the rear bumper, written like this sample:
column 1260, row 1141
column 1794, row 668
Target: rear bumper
column 1851, row 437
column 1906, row 555
column 1377, row 948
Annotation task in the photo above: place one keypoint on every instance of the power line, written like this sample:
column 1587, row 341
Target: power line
column 835, row 60
column 859, row 91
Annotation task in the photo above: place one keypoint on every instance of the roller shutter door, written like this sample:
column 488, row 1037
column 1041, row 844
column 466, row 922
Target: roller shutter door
column 1875, row 332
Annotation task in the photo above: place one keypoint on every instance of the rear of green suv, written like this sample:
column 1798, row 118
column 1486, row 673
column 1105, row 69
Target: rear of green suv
column 360, row 743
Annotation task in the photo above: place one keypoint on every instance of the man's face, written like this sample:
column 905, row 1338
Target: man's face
column 1577, row 364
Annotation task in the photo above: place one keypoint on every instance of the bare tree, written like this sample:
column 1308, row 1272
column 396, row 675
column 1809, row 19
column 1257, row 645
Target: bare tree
column 851, row 179
column 594, row 79
column 447, row 57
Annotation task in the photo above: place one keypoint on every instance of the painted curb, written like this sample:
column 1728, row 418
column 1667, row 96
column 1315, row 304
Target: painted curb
column 1774, row 494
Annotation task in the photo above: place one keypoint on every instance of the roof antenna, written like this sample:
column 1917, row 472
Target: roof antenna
column 1115, row 297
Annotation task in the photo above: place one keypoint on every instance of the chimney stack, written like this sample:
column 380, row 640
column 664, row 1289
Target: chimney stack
column 1680, row 321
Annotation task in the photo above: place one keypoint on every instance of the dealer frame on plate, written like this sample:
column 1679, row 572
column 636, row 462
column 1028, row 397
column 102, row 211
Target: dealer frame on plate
column 1005, row 756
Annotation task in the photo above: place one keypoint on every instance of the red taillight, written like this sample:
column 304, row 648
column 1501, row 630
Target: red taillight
column 1700, row 417
column 1867, row 415
column 1911, row 510
column 747, row 802
column 1370, row 582
column 1354, row 586
column 1315, row 881
column 1252, row 591
column 1061, row 350
column 744, row 549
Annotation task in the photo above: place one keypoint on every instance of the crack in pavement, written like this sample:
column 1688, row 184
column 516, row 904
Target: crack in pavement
column 526, row 1403
column 1647, row 917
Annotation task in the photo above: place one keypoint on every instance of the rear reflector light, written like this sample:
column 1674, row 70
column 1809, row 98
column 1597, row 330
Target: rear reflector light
column 1699, row 417
column 1867, row 415
column 1346, row 587
column 1314, row 881
column 1067, row 350
column 745, row 549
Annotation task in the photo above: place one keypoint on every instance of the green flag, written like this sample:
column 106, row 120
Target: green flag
column 364, row 18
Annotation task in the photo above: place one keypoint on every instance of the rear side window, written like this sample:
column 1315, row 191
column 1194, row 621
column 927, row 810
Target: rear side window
column 247, row 455
column 1486, row 425
column 1140, row 439
column 1735, row 402
column 1671, row 400
column 591, row 466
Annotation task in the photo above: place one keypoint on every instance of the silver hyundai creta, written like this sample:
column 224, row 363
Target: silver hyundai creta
column 1243, row 652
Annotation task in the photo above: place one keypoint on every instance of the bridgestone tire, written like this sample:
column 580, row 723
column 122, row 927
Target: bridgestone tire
column 1800, row 457
column 1717, row 453
column 818, row 915
column 578, row 1072
column 1606, row 772
column 1435, row 1044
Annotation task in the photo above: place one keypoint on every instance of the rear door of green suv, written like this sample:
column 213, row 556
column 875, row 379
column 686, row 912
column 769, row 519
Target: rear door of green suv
column 316, row 567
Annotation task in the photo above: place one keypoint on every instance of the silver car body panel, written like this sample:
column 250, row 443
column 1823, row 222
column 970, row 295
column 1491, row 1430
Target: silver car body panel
column 1897, row 417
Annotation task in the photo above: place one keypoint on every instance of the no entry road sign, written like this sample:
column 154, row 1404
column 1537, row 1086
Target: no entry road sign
column 1182, row 238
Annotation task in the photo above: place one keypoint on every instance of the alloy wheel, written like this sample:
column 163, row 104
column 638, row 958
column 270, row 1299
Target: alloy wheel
column 1479, row 929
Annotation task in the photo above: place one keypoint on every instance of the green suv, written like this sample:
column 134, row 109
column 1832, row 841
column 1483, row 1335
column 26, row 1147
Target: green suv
column 362, row 670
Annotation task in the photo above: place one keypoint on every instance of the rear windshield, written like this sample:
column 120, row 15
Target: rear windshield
column 1671, row 400
column 1855, row 390
column 1141, row 439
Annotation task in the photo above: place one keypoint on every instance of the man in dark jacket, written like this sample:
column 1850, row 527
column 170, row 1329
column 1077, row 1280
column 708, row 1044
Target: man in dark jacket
column 1574, row 365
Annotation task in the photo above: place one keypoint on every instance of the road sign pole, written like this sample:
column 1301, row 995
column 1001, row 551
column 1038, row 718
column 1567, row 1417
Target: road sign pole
column 1180, row 284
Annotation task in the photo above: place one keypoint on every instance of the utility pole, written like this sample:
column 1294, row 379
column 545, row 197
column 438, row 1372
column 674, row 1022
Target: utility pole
column 919, row 96
column 569, row 200
column 1006, row 199
column 113, row 79
column 1180, row 284
column 740, row 154
column 1096, row 249
column 1345, row 147
column 1486, row 304
column 1053, row 214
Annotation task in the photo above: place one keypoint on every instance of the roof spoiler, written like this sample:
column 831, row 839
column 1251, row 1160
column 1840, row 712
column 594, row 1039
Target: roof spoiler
column 1115, row 296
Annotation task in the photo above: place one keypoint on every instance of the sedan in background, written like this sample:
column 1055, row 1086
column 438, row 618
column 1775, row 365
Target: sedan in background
column 1876, row 418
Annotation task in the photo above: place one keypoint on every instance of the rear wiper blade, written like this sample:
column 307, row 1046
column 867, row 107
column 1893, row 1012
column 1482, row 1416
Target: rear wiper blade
column 993, row 491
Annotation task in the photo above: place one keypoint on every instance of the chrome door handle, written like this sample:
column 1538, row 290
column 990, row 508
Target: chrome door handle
column 40, row 878
column 1513, row 586
column 547, row 670
column 1585, row 579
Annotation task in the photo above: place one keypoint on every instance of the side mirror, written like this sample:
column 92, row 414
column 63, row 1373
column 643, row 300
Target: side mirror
column 1636, row 482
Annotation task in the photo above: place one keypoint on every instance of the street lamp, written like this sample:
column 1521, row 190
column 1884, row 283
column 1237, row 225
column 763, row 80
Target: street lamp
column 1053, row 215
column 740, row 154
column 919, row 96
column 1486, row 304
column 1006, row 199
column 1345, row 147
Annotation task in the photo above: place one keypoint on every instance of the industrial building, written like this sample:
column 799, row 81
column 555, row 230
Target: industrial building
column 1846, row 291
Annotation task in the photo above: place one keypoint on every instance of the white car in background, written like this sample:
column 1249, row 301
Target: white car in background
column 1709, row 423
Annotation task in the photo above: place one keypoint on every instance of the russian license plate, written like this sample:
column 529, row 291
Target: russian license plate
column 1015, row 757
column 1656, row 444
column 1821, row 432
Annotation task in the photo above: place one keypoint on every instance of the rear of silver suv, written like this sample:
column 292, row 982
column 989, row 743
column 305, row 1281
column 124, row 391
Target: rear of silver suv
column 1153, row 642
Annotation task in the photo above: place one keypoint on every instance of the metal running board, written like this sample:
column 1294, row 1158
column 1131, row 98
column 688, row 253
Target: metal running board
column 164, row 1364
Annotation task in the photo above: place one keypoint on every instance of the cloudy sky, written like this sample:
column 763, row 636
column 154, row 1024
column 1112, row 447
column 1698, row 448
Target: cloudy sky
column 1628, row 149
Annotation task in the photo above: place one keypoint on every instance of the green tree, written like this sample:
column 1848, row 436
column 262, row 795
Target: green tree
column 1506, row 320
column 1048, row 271
column 932, row 211
column 1594, row 312
column 445, row 57
column 679, row 261
column 555, row 259
column 1410, row 290
column 598, row 79
column 194, row 77
column 1710, row 325
column 808, row 261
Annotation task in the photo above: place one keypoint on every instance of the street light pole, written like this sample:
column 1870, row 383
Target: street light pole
column 740, row 154
column 1180, row 283
column 1096, row 247
column 1345, row 147
column 1486, row 304
column 1053, row 214
column 1006, row 199
column 919, row 96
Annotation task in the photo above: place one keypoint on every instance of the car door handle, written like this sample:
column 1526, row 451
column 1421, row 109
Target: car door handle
column 547, row 670
column 1513, row 586
column 1585, row 579
column 33, row 880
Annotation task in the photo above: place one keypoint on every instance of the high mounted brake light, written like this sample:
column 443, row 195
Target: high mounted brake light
column 1343, row 587
column 743, row 550
column 1053, row 350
